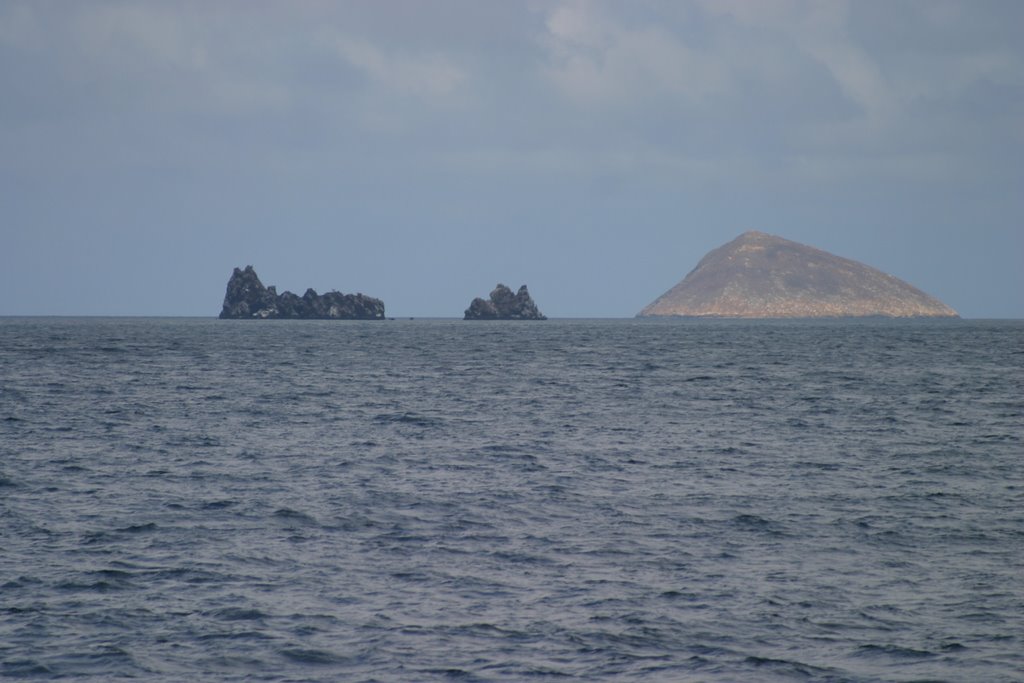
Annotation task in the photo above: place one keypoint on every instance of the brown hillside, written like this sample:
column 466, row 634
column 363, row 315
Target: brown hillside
column 763, row 276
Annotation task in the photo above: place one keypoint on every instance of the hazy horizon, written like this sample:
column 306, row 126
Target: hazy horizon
column 423, row 152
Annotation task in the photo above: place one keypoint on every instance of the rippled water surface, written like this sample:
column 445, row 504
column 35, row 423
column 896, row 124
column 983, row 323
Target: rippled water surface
column 426, row 500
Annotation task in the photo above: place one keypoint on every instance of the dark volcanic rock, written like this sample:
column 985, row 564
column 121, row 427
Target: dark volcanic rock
column 481, row 309
column 504, row 305
column 764, row 276
column 246, row 297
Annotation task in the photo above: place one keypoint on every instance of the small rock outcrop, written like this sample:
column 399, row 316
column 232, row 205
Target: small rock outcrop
column 504, row 305
column 763, row 276
column 246, row 297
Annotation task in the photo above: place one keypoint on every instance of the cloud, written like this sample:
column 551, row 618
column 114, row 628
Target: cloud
column 18, row 26
column 430, row 75
column 881, row 79
column 145, row 56
column 819, row 31
column 607, row 86
column 795, row 84
column 154, row 34
column 594, row 58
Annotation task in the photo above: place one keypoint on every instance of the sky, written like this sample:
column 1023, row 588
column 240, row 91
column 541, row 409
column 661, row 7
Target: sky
column 422, row 151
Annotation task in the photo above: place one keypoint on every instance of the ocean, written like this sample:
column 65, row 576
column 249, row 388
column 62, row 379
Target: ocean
column 432, row 500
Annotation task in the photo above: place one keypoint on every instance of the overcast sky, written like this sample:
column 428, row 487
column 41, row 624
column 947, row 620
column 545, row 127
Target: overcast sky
column 422, row 151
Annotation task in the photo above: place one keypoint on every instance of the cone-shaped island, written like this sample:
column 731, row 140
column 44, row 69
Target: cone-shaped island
column 763, row 276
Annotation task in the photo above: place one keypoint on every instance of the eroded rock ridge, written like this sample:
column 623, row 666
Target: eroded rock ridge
column 246, row 297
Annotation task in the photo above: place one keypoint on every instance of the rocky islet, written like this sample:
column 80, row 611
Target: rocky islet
column 756, row 275
column 504, row 305
column 248, row 298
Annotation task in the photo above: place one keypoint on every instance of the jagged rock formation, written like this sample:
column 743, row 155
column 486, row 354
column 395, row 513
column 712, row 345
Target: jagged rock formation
column 763, row 276
column 504, row 305
column 246, row 297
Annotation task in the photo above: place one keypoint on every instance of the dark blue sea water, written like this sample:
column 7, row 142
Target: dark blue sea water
column 186, row 499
